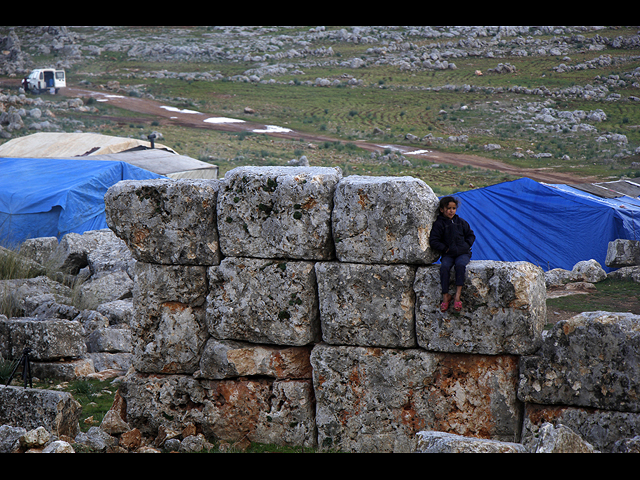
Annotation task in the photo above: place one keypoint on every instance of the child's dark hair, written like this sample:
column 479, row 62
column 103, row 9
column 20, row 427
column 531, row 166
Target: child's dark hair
column 444, row 201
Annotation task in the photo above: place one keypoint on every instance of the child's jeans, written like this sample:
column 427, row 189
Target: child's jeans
column 460, row 263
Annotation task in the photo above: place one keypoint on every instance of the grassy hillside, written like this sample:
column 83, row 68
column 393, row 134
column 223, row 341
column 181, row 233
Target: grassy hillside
column 381, row 90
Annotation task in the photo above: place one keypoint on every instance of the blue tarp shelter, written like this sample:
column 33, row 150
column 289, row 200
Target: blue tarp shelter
column 46, row 197
column 553, row 226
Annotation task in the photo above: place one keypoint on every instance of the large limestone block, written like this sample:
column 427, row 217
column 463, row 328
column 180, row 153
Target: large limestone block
column 168, row 339
column 590, row 360
column 277, row 212
column 384, row 220
column 63, row 370
column 602, row 429
column 263, row 301
column 168, row 326
column 366, row 305
column 377, row 400
column 504, row 309
column 228, row 359
column 156, row 284
column 258, row 409
column 29, row 408
column 166, row 221
column 623, row 253
column 47, row 339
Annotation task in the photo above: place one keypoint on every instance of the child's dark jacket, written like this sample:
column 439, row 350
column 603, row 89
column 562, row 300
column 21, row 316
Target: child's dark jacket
column 451, row 237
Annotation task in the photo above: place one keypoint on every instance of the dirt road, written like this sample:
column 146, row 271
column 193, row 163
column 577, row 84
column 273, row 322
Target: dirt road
column 188, row 118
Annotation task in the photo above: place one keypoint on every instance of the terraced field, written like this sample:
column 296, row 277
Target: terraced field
column 382, row 87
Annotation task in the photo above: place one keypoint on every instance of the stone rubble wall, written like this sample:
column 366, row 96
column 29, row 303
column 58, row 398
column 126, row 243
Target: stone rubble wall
column 295, row 306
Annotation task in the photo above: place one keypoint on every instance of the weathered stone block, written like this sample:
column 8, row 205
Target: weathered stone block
column 260, row 410
column 169, row 338
column 377, row 400
column 441, row 442
column 504, row 309
column 263, row 301
column 600, row 428
column 39, row 249
column 168, row 326
column 277, row 212
column 227, row 359
column 111, row 340
column 590, row 360
column 623, row 253
column 108, row 287
column 63, row 370
column 384, row 220
column 57, row 412
column 166, row 221
column 366, row 305
column 47, row 339
column 103, row 361
column 157, row 284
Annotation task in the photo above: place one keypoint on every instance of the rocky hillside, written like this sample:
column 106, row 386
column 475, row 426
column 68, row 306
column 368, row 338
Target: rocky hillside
column 525, row 92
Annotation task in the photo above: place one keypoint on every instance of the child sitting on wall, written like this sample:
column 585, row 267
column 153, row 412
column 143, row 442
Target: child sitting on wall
column 452, row 237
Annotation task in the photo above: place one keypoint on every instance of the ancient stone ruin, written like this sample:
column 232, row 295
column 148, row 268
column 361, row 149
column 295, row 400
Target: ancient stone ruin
column 295, row 306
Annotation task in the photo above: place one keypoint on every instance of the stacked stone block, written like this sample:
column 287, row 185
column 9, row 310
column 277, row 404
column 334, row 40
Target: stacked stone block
column 586, row 376
column 292, row 305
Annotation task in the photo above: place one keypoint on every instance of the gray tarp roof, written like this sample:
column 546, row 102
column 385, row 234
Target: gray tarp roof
column 160, row 161
column 94, row 146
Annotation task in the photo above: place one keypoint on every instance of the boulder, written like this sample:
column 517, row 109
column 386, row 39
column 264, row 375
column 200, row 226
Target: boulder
column 47, row 339
column 384, row 220
column 441, row 442
column 10, row 438
column 166, row 221
column 604, row 430
column 263, row 301
column 589, row 360
column 366, row 305
column 626, row 273
column 623, row 253
column 57, row 412
column 23, row 296
column 105, row 288
column 97, row 440
column 588, row 271
column 503, row 309
column 277, row 212
column 71, row 254
column 559, row 438
column 377, row 399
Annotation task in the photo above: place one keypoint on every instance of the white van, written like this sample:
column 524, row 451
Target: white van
column 45, row 78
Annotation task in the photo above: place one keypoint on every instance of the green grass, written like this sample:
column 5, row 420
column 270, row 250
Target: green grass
column 96, row 398
column 610, row 296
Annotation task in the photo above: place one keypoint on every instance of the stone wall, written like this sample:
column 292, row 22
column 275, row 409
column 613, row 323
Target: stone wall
column 295, row 306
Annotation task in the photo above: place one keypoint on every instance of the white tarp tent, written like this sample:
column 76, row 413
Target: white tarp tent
column 66, row 145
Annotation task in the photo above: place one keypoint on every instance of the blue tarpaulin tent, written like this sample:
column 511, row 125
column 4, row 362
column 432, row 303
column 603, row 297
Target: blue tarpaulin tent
column 46, row 197
column 553, row 226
